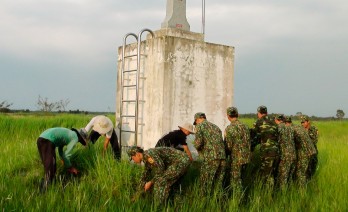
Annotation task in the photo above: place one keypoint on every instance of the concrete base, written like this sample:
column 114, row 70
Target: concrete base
column 183, row 75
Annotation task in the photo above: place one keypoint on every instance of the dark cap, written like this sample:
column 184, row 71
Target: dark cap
column 262, row 109
column 287, row 119
column 232, row 111
column 280, row 117
column 131, row 151
column 82, row 135
column 197, row 116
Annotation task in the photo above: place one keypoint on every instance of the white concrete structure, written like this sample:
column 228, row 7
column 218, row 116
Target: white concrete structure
column 180, row 75
column 176, row 15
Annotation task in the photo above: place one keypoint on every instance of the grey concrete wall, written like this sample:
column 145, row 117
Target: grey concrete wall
column 184, row 75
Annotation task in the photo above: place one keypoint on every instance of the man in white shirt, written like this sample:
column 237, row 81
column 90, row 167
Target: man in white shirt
column 103, row 126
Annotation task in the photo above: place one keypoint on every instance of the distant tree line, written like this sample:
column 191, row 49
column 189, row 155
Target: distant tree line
column 44, row 105
column 5, row 107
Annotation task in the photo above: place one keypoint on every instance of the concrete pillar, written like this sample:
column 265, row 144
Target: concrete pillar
column 176, row 15
column 182, row 75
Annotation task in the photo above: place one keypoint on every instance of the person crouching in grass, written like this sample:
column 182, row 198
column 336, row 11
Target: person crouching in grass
column 58, row 137
column 164, row 166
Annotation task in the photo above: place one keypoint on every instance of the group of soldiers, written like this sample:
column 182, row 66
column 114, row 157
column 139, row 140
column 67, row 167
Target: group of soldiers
column 286, row 153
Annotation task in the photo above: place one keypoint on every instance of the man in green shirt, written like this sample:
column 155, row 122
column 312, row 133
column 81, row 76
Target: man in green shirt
column 58, row 137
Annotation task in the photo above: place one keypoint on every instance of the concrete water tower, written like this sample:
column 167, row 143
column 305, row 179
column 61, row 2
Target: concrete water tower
column 166, row 78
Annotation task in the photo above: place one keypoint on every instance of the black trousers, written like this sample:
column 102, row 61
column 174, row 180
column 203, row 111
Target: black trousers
column 47, row 152
column 93, row 137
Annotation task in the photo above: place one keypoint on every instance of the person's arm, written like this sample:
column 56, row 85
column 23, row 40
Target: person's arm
column 106, row 143
column 90, row 125
column 228, row 141
column 188, row 152
column 157, row 166
column 107, row 140
column 65, row 156
column 141, row 187
column 199, row 142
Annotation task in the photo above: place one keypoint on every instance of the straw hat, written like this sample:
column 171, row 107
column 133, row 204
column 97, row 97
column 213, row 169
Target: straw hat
column 102, row 124
column 187, row 126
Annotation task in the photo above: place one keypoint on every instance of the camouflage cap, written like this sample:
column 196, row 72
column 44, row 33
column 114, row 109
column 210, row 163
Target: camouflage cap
column 304, row 118
column 232, row 111
column 197, row 116
column 287, row 119
column 200, row 115
column 280, row 117
column 131, row 151
column 262, row 109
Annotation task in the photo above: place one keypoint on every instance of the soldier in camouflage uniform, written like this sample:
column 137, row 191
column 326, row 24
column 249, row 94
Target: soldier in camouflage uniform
column 163, row 167
column 313, row 134
column 237, row 139
column 211, row 149
column 287, row 152
column 304, row 149
column 266, row 132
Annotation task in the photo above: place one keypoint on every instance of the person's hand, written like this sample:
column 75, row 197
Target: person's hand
column 73, row 170
column 148, row 186
column 134, row 198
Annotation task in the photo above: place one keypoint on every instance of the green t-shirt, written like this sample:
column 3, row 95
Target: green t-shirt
column 61, row 137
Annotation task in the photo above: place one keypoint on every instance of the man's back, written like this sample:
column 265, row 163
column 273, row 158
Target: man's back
column 267, row 131
column 209, row 141
column 303, row 143
column 238, row 141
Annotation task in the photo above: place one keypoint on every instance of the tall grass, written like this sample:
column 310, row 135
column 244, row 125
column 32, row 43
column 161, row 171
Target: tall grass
column 106, row 185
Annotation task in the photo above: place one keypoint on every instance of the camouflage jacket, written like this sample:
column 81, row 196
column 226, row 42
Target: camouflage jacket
column 266, row 131
column 157, row 160
column 313, row 134
column 303, row 143
column 209, row 142
column 237, row 138
column 286, row 142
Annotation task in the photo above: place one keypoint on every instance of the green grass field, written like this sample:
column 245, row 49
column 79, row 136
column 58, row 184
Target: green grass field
column 106, row 185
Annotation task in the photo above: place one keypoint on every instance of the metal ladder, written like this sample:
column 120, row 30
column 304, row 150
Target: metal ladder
column 125, row 86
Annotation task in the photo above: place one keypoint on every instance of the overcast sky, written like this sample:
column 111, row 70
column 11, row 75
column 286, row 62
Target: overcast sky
column 289, row 55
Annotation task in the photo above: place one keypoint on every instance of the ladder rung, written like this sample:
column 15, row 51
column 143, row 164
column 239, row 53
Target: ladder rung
column 133, row 70
column 127, row 86
column 135, row 55
column 128, row 116
column 130, row 131
column 132, row 55
column 142, row 101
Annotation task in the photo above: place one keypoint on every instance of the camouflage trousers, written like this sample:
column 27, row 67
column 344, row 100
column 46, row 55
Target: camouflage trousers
column 163, row 185
column 236, row 184
column 269, row 163
column 286, row 170
column 212, row 174
column 301, row 168
column 312, row 166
